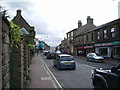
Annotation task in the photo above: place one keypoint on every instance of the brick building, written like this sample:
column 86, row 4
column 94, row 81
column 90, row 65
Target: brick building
column 103, row 39
column 82, row 37
column 107, row 39
column 20, row 57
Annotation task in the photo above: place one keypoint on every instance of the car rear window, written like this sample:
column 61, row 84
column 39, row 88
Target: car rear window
column 68, row 58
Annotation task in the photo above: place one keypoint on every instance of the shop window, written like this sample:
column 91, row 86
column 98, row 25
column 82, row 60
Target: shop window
column 105, row 34
column 112, row 32
column 98, row 35
column 117, row 52
column 71, row 33
column 103, row 51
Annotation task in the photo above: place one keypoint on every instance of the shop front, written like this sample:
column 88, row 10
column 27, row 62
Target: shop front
column 85, row 49
column 116, row 52
column 108, row 50
column 81, row 51
column 89, row 48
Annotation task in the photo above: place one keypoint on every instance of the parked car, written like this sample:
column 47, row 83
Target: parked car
column 106, row 79
column 45, row 52
column 63, row 61
column 50, row 55
column 94, row 57
column 57, row 53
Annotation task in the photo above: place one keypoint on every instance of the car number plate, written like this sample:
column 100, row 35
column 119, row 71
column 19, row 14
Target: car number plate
column 67, row 63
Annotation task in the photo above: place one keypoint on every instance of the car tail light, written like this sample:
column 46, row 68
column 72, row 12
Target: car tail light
column 74, row 62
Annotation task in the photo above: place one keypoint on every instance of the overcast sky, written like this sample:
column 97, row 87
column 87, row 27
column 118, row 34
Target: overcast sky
column 52, row 19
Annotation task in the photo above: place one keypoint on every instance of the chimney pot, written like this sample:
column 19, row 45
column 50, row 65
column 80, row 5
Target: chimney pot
column 89, row 20
column 79, row 23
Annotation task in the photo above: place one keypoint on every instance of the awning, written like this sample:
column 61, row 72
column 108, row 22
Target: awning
column 108, row 43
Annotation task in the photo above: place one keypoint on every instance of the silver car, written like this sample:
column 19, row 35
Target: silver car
column 94, row 57
column 63, row 61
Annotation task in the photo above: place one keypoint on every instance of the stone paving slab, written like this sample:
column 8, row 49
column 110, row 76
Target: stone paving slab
column 39, row 75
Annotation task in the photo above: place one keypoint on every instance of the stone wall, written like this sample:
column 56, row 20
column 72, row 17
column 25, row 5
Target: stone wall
column 17, row 78
column 5, row 53
column 0, row 51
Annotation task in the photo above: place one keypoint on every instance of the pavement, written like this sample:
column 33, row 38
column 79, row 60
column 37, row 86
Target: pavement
column 41, row 76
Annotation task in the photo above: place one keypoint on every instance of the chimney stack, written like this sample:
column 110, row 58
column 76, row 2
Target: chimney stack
column 89, row 20
column 79, row 23
column 18, row 12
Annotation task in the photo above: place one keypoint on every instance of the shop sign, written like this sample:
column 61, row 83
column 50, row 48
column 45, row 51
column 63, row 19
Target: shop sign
column 80, row 47
column 88, row 46
column 107, row 44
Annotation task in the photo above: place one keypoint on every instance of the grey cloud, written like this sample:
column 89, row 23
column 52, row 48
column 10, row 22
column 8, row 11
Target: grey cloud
column 20, row 5
column 40, row 25
column 53, row 39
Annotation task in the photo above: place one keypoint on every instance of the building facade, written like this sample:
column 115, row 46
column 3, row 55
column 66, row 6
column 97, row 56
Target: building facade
column 70, row 39
column 107, row 39
column 83, row 40
column 103, row 39
column 64, row 46
column 19, row 20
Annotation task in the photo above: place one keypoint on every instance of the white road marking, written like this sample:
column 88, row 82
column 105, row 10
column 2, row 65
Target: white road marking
column 45, row 78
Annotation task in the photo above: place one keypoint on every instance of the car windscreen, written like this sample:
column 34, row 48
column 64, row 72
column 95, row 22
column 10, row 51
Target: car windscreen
column 52, row 52
column 67, row 58
column 93, row 54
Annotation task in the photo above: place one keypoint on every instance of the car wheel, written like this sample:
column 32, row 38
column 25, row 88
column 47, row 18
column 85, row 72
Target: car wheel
column 99, row 86
column 93, row 60
column 87, row 59
column 73, row 68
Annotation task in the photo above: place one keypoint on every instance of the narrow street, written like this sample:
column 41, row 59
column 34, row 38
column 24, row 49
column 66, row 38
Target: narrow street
column 79, row 78
column 77, row 34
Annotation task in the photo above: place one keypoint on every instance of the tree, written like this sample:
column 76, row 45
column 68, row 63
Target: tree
column 4, row 12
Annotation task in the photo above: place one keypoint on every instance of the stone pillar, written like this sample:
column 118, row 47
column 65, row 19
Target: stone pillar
column 25, row 56
column 18, row 67
column 97, row 50
column 25, row 61
column 109, row 51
